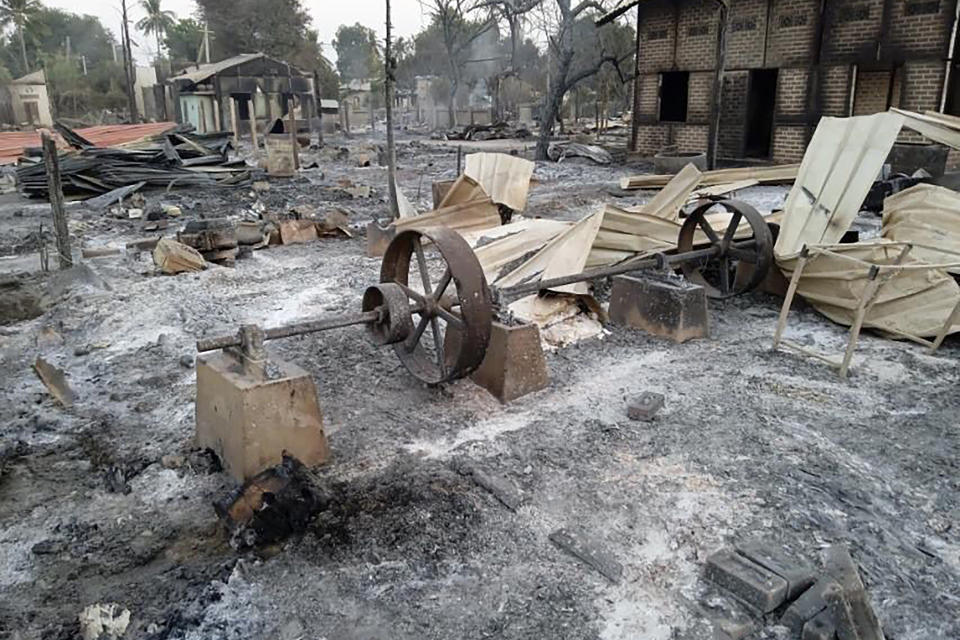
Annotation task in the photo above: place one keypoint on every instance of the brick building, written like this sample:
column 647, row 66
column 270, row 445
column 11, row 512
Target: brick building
column 788, row 62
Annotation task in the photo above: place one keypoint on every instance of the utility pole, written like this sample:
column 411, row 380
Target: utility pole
column 128, row 65
column 391, row 149
column 55, row 191
column 715, row 103
column 206, row 43
column 318, row 101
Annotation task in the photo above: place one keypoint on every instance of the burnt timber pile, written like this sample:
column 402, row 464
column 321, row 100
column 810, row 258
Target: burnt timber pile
column 175, row 157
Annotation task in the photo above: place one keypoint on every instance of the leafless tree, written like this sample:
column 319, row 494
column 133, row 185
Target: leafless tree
column 513, row 13
column 459, row 32
column 560, row 19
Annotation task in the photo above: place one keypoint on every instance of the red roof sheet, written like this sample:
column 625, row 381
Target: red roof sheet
column 12, row 143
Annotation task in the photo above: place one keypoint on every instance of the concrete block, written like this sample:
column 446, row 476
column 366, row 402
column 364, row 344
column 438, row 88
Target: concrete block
column 250, row 420
column 514, row 364
column 774, row 283
column 754, row 585
column 378, row 238
column 849, row 602
column 670, row 308
column 852, row 614
column 645, row 406
column 821, row 627
column 798, row 574
column 807, row 606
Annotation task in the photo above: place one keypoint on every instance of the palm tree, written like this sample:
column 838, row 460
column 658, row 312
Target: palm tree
column 157, row 20
column 20, row 13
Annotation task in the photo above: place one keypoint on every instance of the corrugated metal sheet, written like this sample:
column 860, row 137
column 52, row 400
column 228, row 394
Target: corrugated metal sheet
column 204, row 71
column 12, row 143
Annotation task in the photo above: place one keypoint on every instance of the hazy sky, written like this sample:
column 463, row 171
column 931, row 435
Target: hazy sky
column 327, row 16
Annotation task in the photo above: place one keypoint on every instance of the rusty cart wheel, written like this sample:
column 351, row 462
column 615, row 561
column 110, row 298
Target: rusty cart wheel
column 717, row 274
column 447, row 294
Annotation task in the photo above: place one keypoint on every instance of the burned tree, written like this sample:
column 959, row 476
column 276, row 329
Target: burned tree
column 580, row 50
column 457, row 33
column 514, row 14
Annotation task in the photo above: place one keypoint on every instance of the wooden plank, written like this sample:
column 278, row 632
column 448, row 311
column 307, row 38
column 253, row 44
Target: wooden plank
column 763, row 175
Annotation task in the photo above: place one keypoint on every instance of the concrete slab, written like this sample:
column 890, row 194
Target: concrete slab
column 250, row 421
column 754, row 585
column 671, row 308
column 798, row 574
column 514, row 364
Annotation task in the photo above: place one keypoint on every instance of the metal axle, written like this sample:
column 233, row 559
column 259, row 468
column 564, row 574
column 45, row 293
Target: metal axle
column 297, row 329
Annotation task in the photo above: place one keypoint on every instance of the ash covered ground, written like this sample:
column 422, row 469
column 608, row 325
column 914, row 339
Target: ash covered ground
column 109, row 501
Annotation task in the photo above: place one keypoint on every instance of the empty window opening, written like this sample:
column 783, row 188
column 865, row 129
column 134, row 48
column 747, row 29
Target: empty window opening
column 761, row 104
column 674, row 90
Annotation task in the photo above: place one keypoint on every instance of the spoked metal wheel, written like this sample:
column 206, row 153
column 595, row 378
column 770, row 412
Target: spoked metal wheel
column 448, row 297
column 717, row 274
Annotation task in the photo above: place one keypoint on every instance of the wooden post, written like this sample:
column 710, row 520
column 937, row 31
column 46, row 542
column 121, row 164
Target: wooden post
column 715, row 103
column 52, row 163
column 788, row 300
column 945, row 329
column 252, row 111
column 391, row 147
column 292, row 124
column 234, row 123
column 866, row 300
column 318, row 102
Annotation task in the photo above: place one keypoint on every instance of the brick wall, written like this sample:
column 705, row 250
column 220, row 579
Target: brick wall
column 734, row 114
column 697, row 39
column 919, row 28
column 688, row 137
column 853, row 30
column 922, row 84
column 648, row 87
column 651, row 138
column 746, row 34
column 789, row 143
column 906, row 47
column 792, row 31
column 871, row 92
column 792, row 92
column 699, row 97
column 835, row 90
column 657, row 33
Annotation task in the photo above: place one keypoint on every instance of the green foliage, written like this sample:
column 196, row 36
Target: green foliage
column 75, row 94
column 22, row 15
column 279, row 28
column 329, row 82
column 182, row 42
column 357, row 54
column 46, row 35
column 157, row 21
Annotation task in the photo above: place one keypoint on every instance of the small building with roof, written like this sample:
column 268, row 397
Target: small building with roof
column 247, row 87
column 29, row 101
